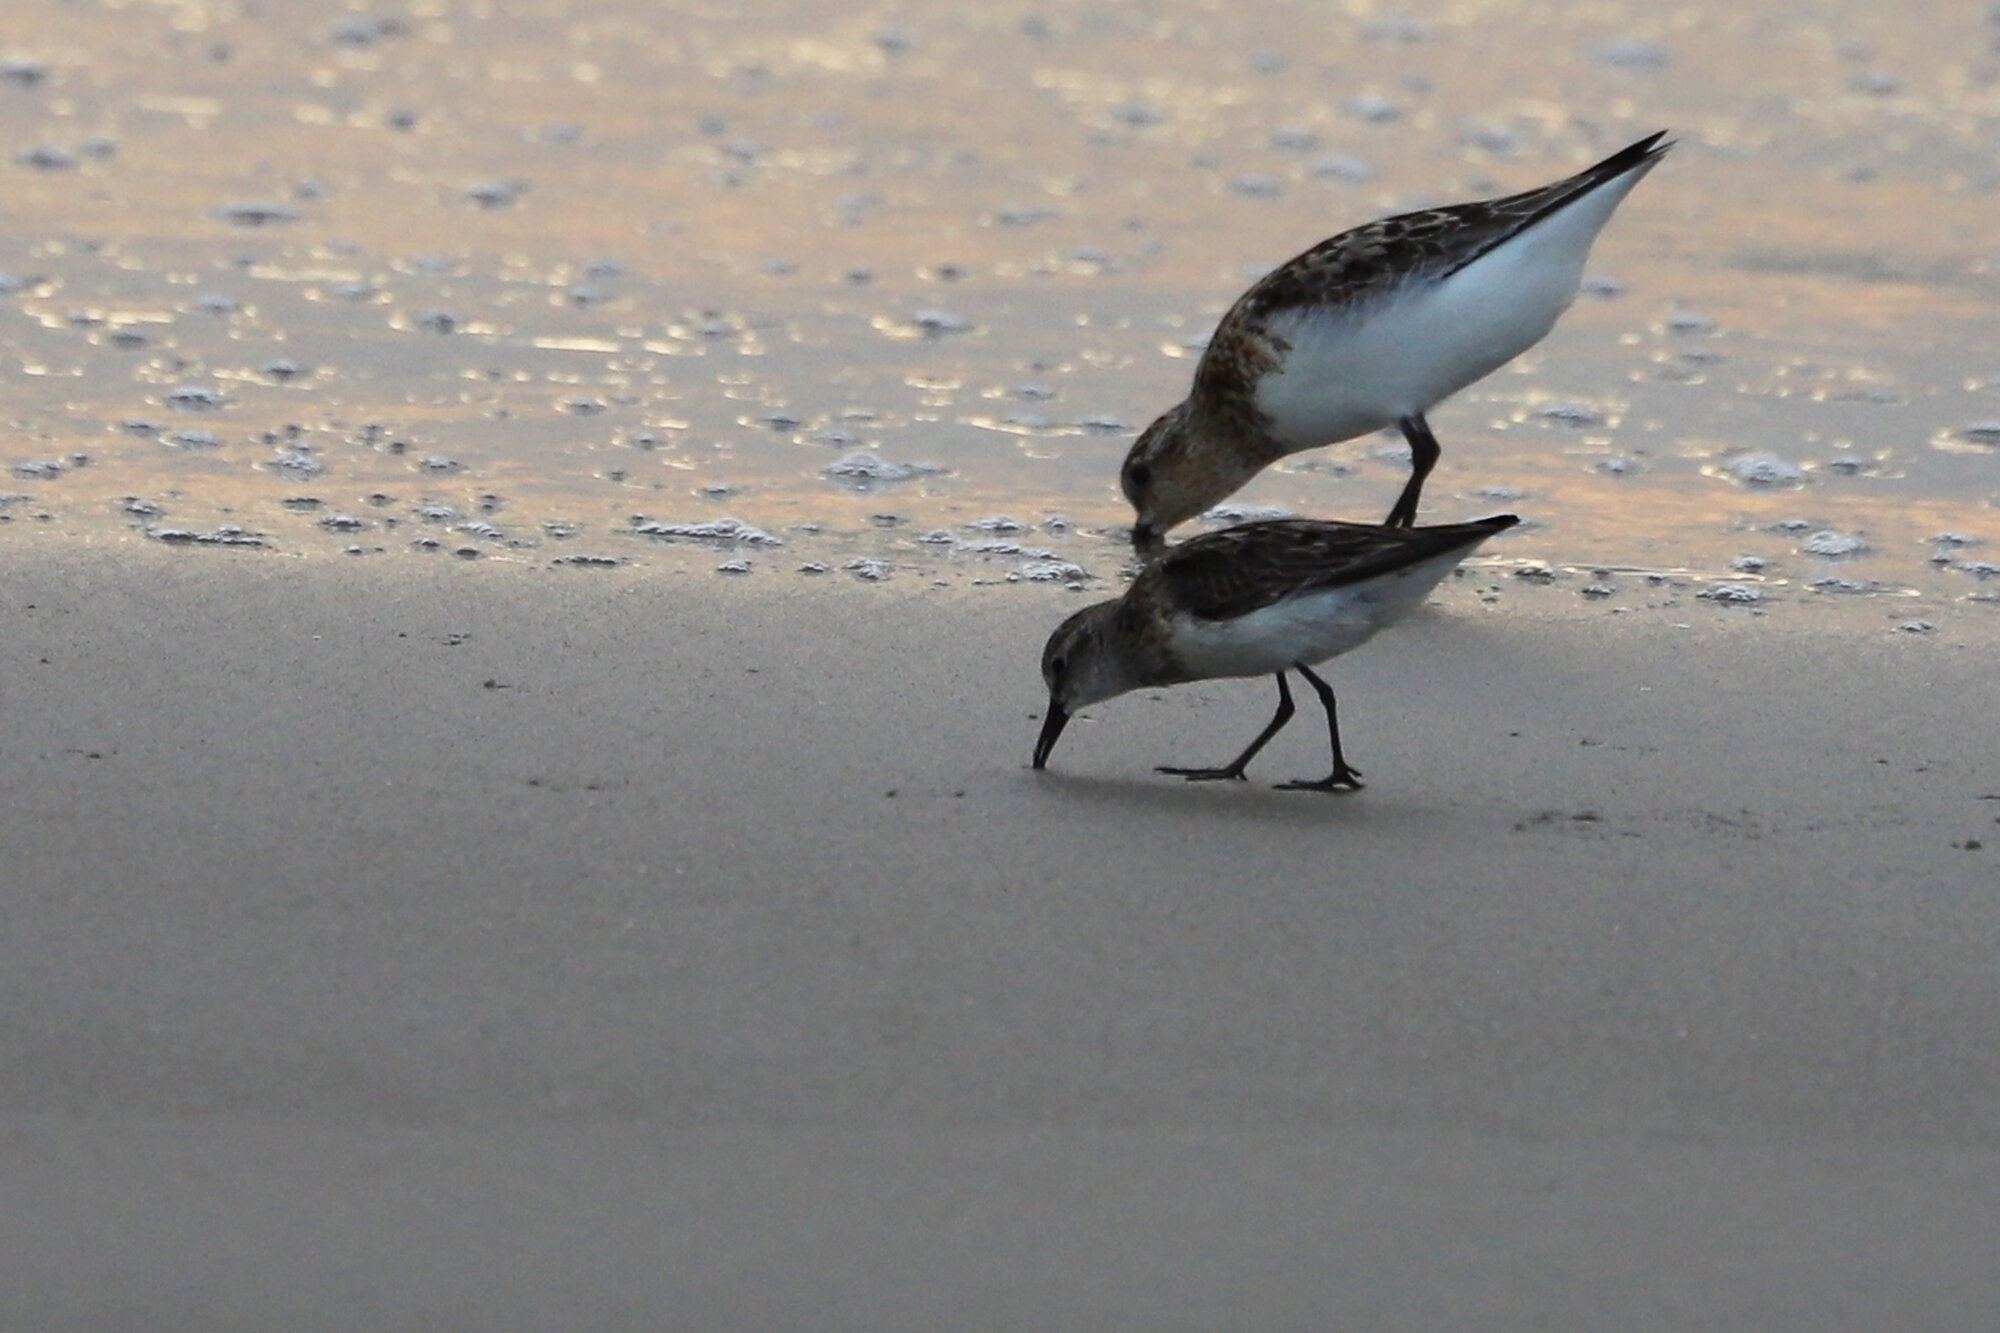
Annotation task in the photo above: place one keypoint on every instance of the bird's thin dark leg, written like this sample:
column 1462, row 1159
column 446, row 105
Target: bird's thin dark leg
column 1235, row 768
column 1423, row 457
column 1342, row 778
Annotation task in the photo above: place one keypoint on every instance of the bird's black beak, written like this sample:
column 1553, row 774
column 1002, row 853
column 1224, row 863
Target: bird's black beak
column 1053, row 723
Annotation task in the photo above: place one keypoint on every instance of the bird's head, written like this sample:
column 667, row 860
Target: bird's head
column 1081, row 665
column 1174, row 471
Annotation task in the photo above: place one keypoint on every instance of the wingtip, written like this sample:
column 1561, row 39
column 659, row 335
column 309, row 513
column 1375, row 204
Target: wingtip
column 1640, row 153
column 1653, row 147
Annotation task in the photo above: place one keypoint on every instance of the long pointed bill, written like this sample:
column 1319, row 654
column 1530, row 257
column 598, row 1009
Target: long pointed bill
column 1053, row 723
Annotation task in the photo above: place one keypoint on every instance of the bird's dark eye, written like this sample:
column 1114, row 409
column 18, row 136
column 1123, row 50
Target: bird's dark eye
column 1058, row 665
column 1139, row 474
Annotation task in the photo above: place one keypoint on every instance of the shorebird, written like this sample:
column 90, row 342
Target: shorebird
column 1267, row 597
column 1372, row 329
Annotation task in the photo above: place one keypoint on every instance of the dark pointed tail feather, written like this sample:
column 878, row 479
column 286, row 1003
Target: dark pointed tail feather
column 1639, row 157
column 1647, row 150
column 1633, row 157
column 1444, row 537
column 1420, row 544
column 1479, row 529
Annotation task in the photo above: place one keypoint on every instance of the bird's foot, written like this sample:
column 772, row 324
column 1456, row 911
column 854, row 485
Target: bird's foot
column 1341, row 779
column 1233, row 773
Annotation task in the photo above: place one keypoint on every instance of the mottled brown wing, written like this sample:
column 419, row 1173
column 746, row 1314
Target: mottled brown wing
column 1376, row 256
column 1246, row 568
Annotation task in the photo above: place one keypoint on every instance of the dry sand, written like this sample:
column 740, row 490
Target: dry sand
column 515, row 949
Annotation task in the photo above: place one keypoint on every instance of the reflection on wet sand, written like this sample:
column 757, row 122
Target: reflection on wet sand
column 538, row 284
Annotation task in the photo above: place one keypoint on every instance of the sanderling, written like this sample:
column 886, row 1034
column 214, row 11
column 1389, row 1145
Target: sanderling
column 1371, row 329
column 1259, row 598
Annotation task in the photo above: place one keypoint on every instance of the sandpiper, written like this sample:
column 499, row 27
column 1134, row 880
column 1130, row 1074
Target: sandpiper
column 1371, row 329
column 1267, row 597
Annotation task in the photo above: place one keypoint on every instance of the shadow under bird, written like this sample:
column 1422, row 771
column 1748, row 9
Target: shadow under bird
column 1371, row 329
column 1257, row 599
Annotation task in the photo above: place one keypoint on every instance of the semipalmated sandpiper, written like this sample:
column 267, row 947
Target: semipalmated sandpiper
column 1371, row 329
column 1260, row 598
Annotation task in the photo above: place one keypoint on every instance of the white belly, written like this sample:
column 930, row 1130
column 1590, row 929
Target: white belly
column 1308, row 628
column 1350, row 372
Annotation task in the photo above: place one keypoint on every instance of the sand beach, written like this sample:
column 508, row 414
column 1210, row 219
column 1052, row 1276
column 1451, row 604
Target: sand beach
column 526, row 532
column 615, row 950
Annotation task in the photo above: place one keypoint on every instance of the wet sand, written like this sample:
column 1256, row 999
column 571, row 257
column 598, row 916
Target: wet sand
column 523, row 948
column 494, row 276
